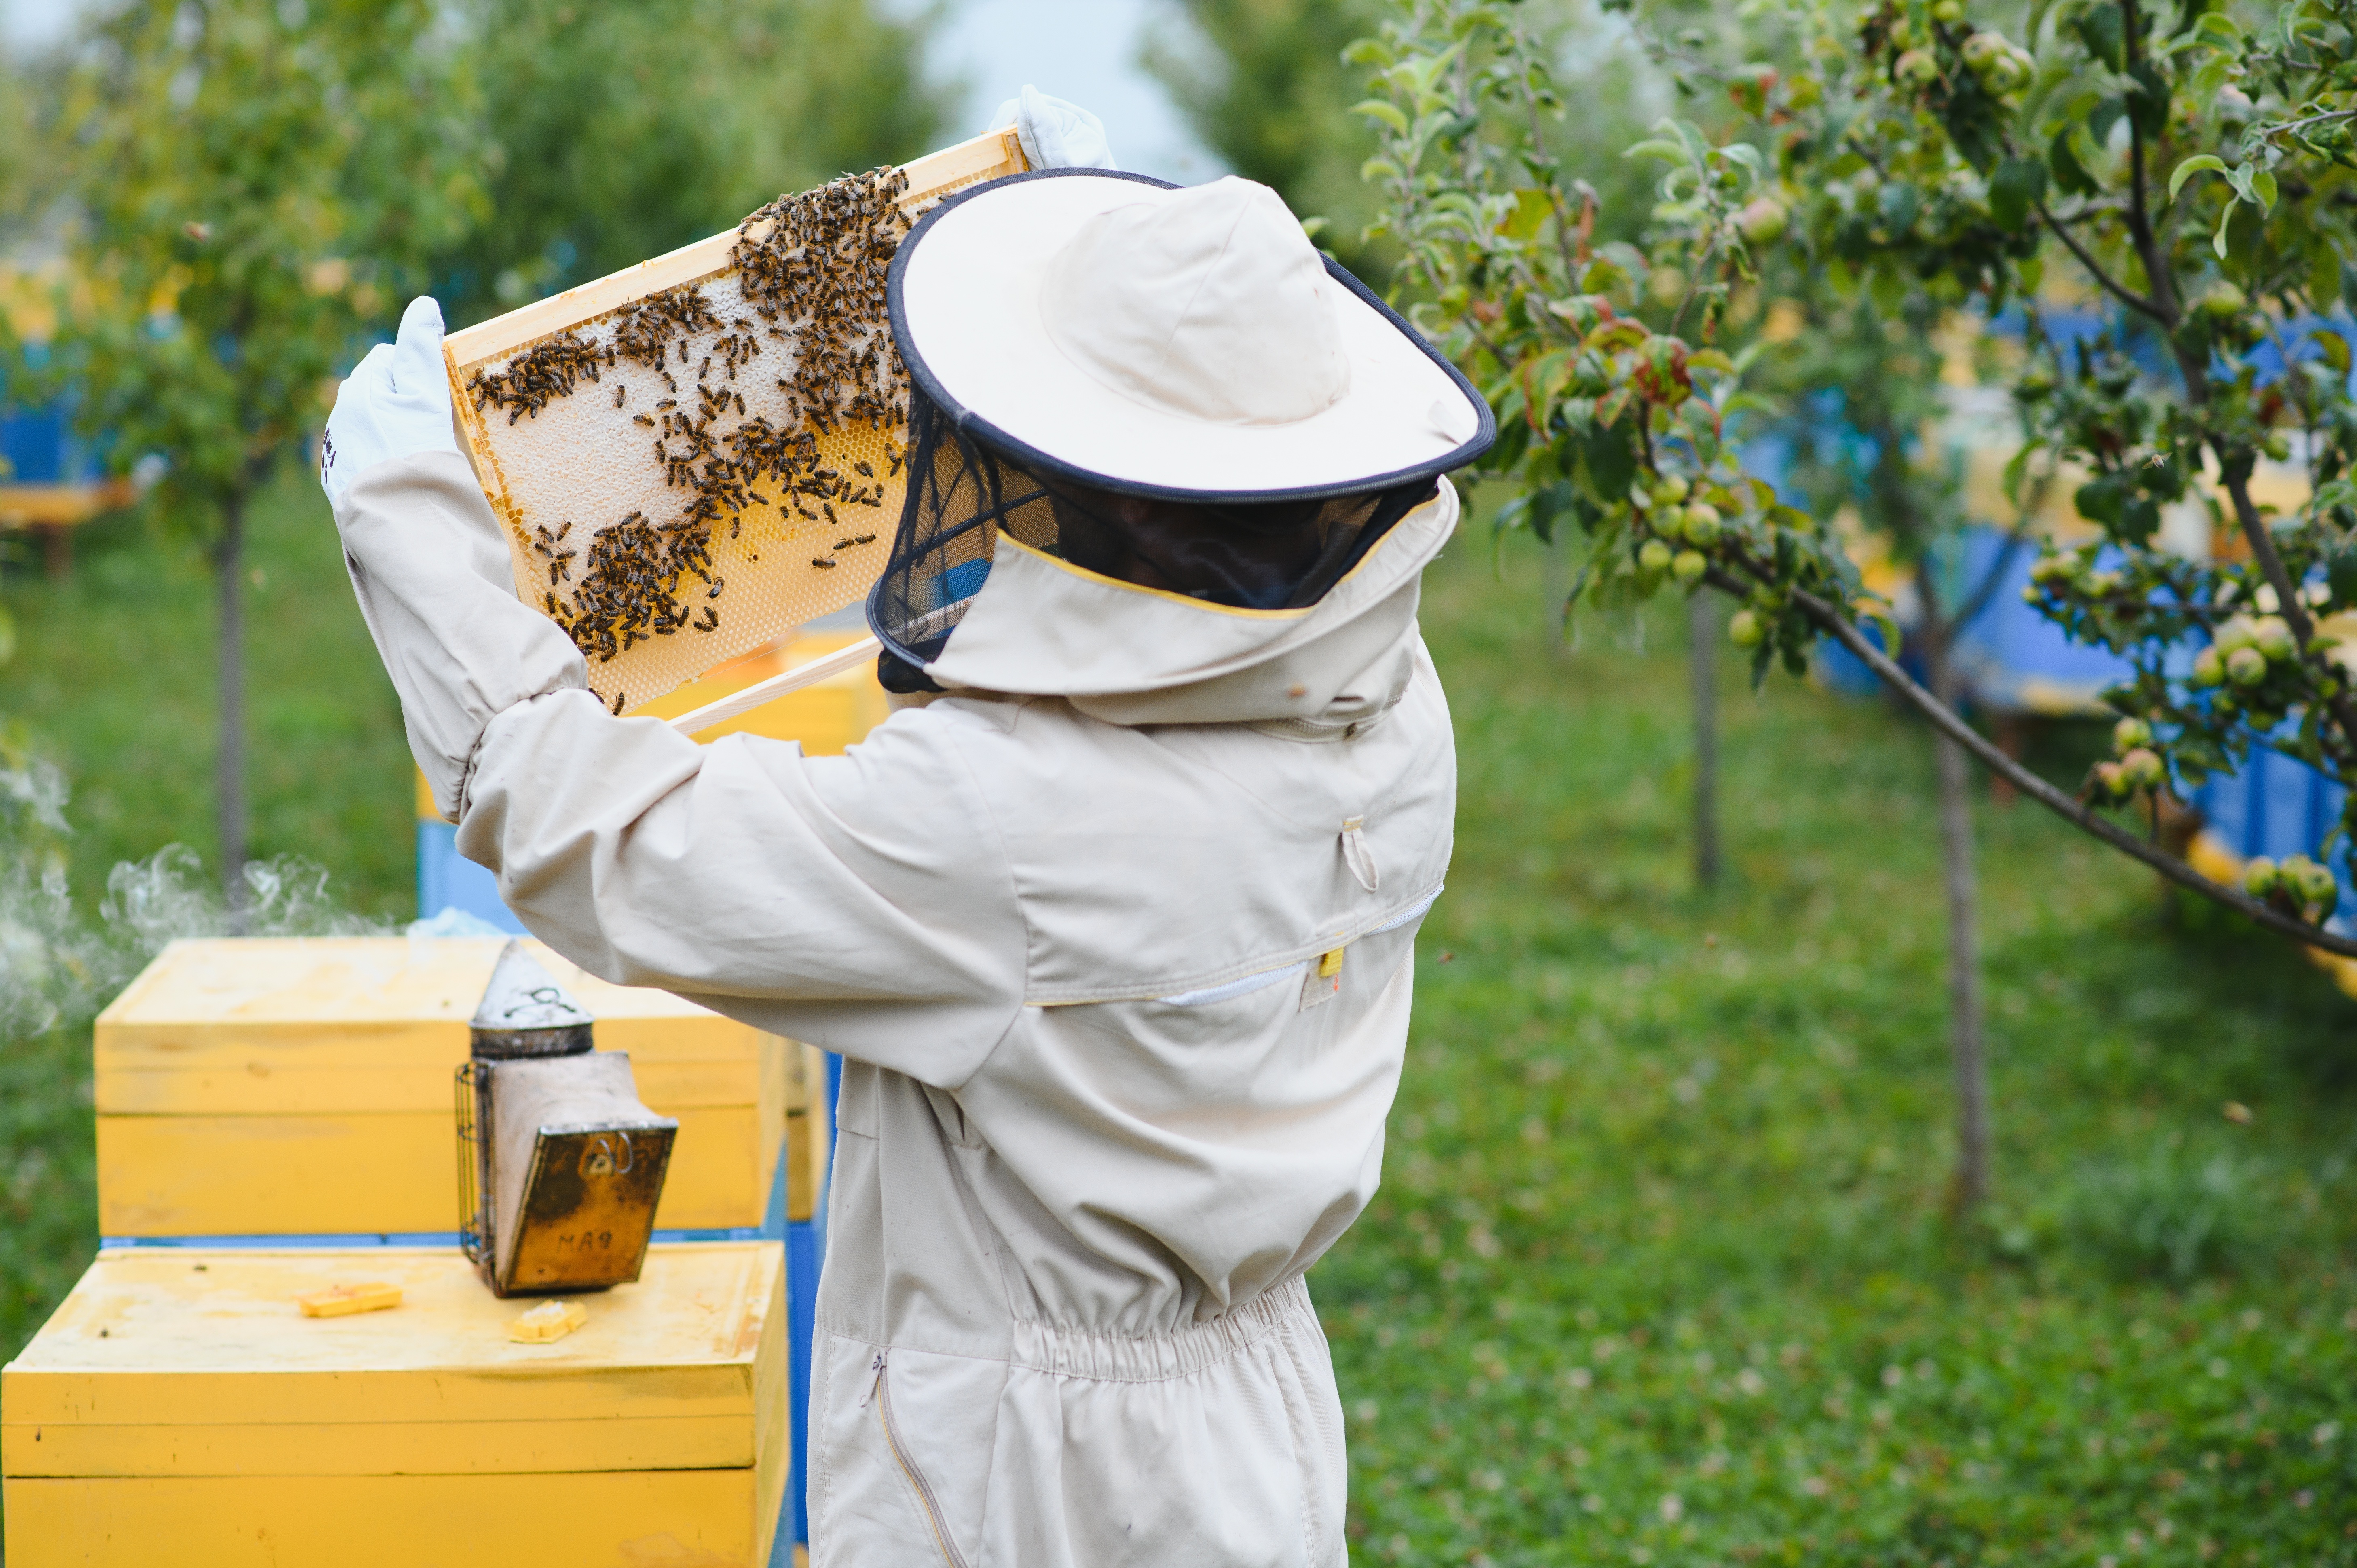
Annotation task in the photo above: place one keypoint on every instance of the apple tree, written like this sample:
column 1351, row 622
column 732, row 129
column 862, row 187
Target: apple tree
column 1882, row 161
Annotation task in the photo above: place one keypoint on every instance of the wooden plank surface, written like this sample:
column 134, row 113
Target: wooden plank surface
column 660, row 1519
column 214, row 1339
column 368, row 1001
column 358, row 1172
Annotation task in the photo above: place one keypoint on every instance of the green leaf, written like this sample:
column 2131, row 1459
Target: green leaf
column 2185, row 170
column 2333, row 347
column 1883, row 621
column 1379, row 168
column 2218, row 27
column 2069, row 173
column 2016, row 186
column 1897, row 203
column 2016, row 470
column 1389, row 113
column 1531, row 209
column 1367, row 52
column 1709, row 360
column 1668, row 152
column 2218, row 240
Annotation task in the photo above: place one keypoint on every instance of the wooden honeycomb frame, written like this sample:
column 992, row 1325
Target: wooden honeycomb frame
column 782, row 587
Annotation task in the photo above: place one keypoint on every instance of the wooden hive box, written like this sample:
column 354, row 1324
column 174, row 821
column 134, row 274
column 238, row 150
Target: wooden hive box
column 303, row 1088
column 179, row 1409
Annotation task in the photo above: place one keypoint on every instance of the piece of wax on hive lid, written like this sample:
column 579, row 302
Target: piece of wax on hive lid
column 549, row 1320
column 342, row 1301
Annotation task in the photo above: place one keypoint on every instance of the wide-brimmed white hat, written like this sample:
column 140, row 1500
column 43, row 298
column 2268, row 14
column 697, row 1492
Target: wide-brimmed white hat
column 1181, row 341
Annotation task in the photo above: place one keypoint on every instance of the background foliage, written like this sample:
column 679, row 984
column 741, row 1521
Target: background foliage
column 620, row 129
column 1661, row 1271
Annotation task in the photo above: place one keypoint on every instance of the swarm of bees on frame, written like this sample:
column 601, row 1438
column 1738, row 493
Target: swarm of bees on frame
column 811, row 269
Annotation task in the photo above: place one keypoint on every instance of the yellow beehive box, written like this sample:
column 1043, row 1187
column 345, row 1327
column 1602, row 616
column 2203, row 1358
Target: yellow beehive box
column 179, row 1408
column 303, row 1087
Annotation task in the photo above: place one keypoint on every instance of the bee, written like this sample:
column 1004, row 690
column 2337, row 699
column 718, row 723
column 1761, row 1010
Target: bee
column 619, row 392
column 861, row 467
column 617, row 705
column 821, row 562
column 865, row 539
column 642, row 419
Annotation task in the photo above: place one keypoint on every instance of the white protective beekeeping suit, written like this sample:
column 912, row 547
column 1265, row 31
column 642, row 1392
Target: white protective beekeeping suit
column 1115, row 933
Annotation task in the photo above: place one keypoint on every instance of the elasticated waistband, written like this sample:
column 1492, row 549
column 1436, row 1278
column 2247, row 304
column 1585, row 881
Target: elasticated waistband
column 1157, row 1358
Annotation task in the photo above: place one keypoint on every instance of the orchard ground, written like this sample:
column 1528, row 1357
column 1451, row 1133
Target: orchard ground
column 1661, row 1270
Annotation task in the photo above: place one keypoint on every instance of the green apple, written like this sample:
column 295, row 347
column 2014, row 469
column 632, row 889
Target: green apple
column 1920, row 67
column 2246, row 667
column 2209, row 668
column 2143, row 768
column 1746, row 629
column 1688, row 566
column 1762, row 220
column 2272, row 636
column 2317, row 884
column 2259, row 877
column 2129, row 733
column 2222, row 298
column 2234, row 632
column 1654, row 557
column 1668, row 491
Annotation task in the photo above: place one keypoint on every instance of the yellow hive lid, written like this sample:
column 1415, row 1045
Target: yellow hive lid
column 180, row 1362
column 375, row 1004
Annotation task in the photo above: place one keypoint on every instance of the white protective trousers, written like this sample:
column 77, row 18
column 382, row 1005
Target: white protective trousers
column 1116, row 940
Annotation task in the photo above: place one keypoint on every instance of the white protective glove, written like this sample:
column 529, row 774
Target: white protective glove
column 395, row 403
column 1054, row 134
column 429, row 563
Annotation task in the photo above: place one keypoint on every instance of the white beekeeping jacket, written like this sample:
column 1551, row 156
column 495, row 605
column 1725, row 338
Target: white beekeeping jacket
column 1122, row 977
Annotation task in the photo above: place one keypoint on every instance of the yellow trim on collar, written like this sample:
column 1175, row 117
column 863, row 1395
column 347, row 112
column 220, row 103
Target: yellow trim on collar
column 1087, row 576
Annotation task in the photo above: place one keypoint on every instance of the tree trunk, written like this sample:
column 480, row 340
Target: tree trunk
column 228, row 757
column 1972, row 1182
column 1702, row 625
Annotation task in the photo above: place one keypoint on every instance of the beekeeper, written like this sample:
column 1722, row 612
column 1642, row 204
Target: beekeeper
column 1112, row 924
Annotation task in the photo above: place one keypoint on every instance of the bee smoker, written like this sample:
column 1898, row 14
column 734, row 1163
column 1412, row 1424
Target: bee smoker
column 560, row 1166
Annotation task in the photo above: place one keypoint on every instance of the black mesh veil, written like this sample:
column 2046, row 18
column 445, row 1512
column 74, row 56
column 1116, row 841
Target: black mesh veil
column 1247, row 555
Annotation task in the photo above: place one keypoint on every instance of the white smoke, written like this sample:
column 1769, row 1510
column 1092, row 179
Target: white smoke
column 58, row 967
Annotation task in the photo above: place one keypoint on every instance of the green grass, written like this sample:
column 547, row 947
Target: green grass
column 114, row 681
column 1665, row 1211
column 1662, row 1270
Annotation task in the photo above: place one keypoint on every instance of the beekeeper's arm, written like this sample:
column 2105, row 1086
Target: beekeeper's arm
column 857, row 902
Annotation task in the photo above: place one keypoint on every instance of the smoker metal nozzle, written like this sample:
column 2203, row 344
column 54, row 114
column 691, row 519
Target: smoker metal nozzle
column 525, row 1012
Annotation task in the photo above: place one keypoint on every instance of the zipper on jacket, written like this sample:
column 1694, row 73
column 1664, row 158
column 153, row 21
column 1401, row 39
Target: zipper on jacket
column 880, row 1390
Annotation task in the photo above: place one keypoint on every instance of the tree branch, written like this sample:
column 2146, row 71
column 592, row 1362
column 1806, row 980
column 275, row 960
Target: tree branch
column 2288, row 599
column 2157, row 278
column 1991, row 580
column 1945, row 720
column 2111, row 284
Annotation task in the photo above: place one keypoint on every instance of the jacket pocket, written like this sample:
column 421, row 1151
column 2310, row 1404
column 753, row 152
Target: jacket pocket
column 880, row 1391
